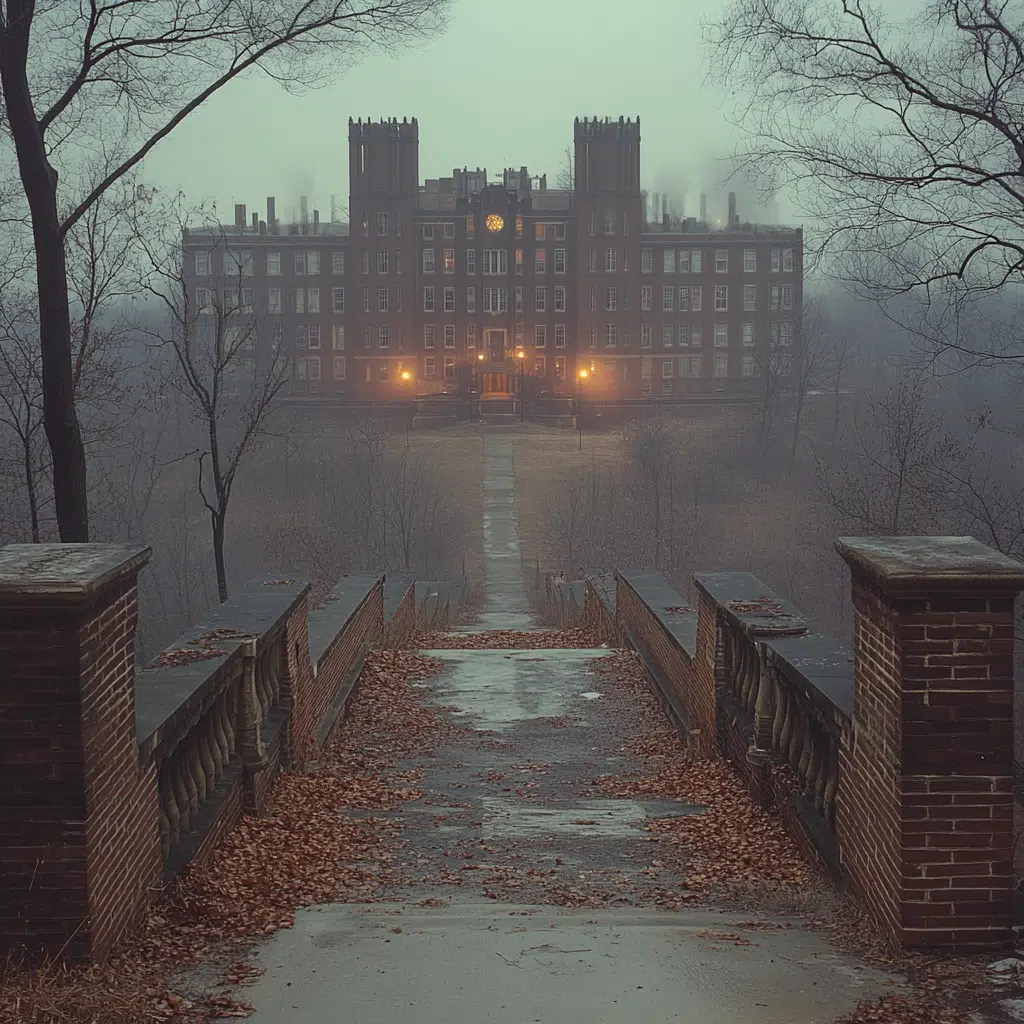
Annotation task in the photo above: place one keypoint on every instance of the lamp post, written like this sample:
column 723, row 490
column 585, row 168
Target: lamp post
column 476, row 382
column 521, row 357
column 405, row 376
column 583, row 375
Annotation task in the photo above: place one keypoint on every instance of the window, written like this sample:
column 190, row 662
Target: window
column 774, row 304
column 448, row 257
column 560, row 367
column 540, row 366
column 690, row 366
column 519, row 298
column 683, row 262
column 300, row 300
column 273, row 300
column 314, row 336
column 428, row 299
column 449, row 229
column 559, row 335
column 427, row 232
column 471, row 336
column 787, row 296
column 667, row 297
column 470, row 300
column 519, row 332
column 609, row 261
column 560, row 261
column 366, row 342
column 684, row 335
column 540, row 299
column 593, row 299
column 238, row 262
column 519, row 261
column 610, row 369
column 560, row 298
column 748, row 366
column 593, row 335
column 593, row 222
column 611, row 335
column 787, row 261
column 609, row 222
column 385, row 372
column 669, row 260
column 684, row 299
column 540, row 260
column 721, row 335
column 519, row 227
column 382, row 300
column 300, row 337
column 428, row 261
column 471, row 262
column 449, row 335
column 721, row 365
column 496, row 260
column 646, row 261
column 610, row 300
column 366, row 300
column 339, row 367
column 470, row 226
column 338, row 338
column 696, row 261
column 540, row 336
column 645, row 367
column 428, row 366
column 338, row 300
column 203, row 264
column 695, row 336
column 398, row 300
column 398, row 223
column 749, row 261
column 750, row 296
column 721, row 298
column 312, row 300
column 667, row 335
column 313, row 367
column 668, row 368
column 721, row 261
column 382, row 261
column 559, row 232
column 646, row 296
column 696, row 298
column 748, row 335
column 785, row 335
column 366, row 261
column 203, row 300
column 382, row 224
column 449, row 300
column 337, row 261
column 645, row 335
column 495, row 300
column 428, row 335
column 300, row 261
column 449, row 367
column 273, row 264
column 775, row 261
column 398, row 261
column 383, row 336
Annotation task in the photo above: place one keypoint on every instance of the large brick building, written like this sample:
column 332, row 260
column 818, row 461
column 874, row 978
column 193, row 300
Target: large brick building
column 460, row 283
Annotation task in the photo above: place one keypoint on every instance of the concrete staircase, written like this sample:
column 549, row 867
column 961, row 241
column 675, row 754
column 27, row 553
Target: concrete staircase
column 498, row 410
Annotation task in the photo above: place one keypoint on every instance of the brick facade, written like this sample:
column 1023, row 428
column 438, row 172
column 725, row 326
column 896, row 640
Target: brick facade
column 79, row 845
column 924, row 810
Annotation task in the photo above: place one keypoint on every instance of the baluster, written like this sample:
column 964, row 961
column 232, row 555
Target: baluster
column 821, row 776
column 220, row 717
column 260, row 691
column 230, row 717
column 804, row 749
column 781, row 710
column 205, row 747
column 756, row 678
column 181, row 800
column 274, row 659
column 788, row 728
column 831, row 784
column 168, row 808
column 188, row 774
column 814, row 762
column 764, row 706
column 195, row 764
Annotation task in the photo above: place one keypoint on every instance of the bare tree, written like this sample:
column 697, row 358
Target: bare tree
column 120, row 76
column 650, row 445
column 567, row 171
column 903, row 136
column 230, row 365
column 566, row 522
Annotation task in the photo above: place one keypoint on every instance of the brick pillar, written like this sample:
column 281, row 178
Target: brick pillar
column 924, row 815
column 79, row 842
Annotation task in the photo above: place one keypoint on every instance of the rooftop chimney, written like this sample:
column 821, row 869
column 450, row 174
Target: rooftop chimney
column 240, row 216
column 304, row 214
column 703, row 207
column 734, row 220
column 334, row 208
column 255, row 222
column 657, row 206
column 316, row 222
column 271, row 215
column 664, row 207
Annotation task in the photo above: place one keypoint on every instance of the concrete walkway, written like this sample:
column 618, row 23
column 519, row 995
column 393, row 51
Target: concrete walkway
column 510, row 835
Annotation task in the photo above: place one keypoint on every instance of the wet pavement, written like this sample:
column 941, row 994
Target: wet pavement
column 526, row 893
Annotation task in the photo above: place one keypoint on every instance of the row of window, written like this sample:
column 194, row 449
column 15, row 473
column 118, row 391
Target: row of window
column 691, row 335
column 691, row 261
column 428, row 231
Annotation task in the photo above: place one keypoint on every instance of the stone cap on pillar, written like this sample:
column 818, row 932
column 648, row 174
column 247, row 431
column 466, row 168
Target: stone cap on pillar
column 931, row 563
column 65, row 573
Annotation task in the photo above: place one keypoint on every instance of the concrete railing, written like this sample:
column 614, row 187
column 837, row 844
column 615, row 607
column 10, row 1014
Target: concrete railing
column 128, row 775
column 892, row 761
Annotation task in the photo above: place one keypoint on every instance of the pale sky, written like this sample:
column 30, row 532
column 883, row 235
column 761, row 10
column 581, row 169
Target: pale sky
column 500, row 88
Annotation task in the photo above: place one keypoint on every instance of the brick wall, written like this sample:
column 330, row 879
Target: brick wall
column 403, row 621
column 706, row 671
column 597, row 616
column 924, row 815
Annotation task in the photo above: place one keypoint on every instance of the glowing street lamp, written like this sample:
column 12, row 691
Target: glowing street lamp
column 583, row 375
column 521, row 356
column 406, row 375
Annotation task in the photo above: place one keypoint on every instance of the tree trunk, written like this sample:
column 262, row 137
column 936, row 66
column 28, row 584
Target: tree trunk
column 835, row 422
column 30, row 487
column 796, row 432
column 39, row 181
column 217, row 519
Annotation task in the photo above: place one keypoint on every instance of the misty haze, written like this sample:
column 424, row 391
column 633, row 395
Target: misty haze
column 511, row 514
